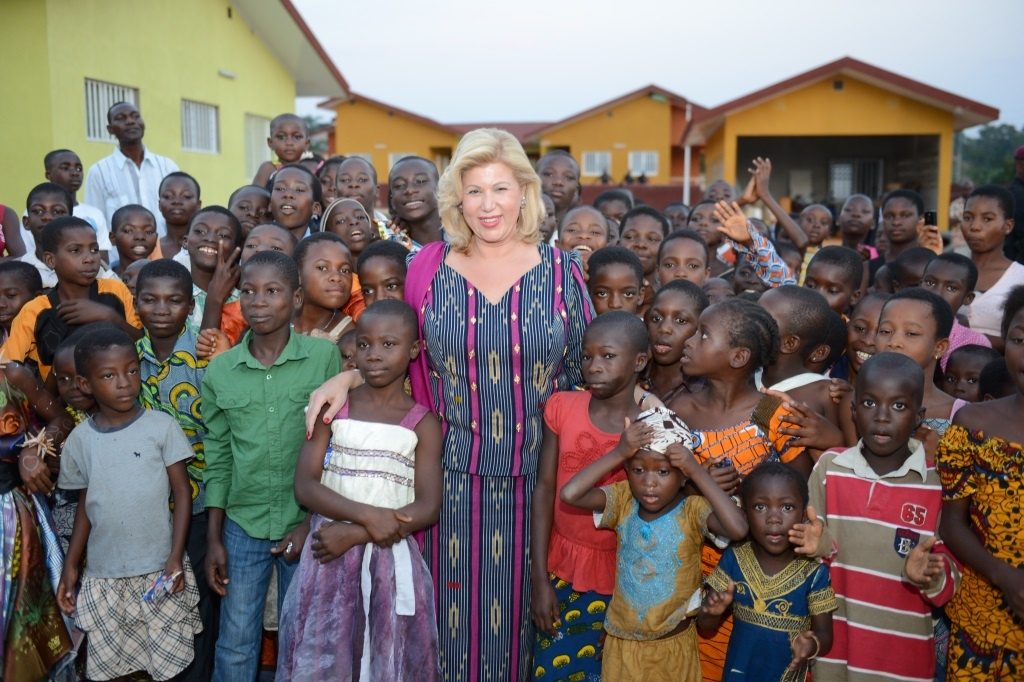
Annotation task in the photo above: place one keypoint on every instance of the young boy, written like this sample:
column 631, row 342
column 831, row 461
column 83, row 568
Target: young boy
column 615, row 280
column 70, row 250
column 19, row 284
column 250, row 204
column 962, row 375
column 908, row 269
column 584, row 231
column 253, row 400
column 133, row 232
column 63, row 167
column 804, row 325
column 879, row 503
column 683, row 254
column 953, row 277
column 836, row 272
column 289, row 139
column 213, row 245
column 179, row 201
column 560, row 179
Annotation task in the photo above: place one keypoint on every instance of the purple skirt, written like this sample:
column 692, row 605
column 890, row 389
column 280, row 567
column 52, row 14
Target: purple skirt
column 325, row 617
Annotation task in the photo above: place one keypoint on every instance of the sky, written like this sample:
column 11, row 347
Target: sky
column 542, row 60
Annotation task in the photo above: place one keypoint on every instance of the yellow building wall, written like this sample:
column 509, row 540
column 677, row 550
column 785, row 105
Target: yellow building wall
column 641, row 124
column 364, row 128
column 169, row 51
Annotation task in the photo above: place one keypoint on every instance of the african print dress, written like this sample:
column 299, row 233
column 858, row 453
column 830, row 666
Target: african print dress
column 492, row 367
column 986, row 642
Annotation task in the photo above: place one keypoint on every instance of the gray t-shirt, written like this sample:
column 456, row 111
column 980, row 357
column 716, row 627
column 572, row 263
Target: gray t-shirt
column 125, row 471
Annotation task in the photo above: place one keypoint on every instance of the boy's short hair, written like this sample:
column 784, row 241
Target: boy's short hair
column 284, row 264
column 26, row 274
column 941, row 311
column 98, row 340
column 892, row 364
column 174, row 175
column 959, row 260
column 314, row 181
column 288, row 118
column 995, row 380
column 687, row 288
column 686, row 233
column 623, row 324
column 232, row 218
column 610, row 195
column 615, row 255
column 808, row 315
column 1003, row 196
column 636, row 211
column 1011, row 306
column 851, row 262
column 393, row 308
column 908, row 194
column 910, row 261
column 384, row 248
column 54, row 231
column 121, row 214
column 248, row 188
column 773, row 470
column 168, row 269
column 48, row 160
column 50, row 188
column 302, row 248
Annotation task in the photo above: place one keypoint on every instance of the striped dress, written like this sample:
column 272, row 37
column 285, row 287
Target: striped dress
column 492, row 367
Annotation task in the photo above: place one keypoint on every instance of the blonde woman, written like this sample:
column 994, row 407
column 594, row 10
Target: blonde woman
column 501, row 319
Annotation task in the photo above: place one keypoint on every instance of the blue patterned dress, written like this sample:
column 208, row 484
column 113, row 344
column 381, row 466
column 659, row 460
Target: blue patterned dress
column 492, row 367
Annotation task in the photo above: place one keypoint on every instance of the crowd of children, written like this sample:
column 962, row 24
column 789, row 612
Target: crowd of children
column 797, row 449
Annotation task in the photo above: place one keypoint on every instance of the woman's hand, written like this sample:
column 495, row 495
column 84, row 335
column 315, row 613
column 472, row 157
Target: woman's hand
column 334, row 394
column 1010, row 582
column 544, row 604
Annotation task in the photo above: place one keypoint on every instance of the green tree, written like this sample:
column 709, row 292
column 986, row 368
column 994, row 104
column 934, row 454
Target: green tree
column 988, row 156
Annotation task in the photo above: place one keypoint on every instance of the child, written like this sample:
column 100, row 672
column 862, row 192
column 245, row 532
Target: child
column 560, row 179
column 328, row 177
column 19, row 284
column 902, row 216
column 357, row 179
column 45, row 202
column 360, row 576
column 987, row 220
column 717, row 289
column 856, row 222
column 836, row 272
column 133, row 233
column 813, row 227
column 131, row 274
column 63, row 167
column 782, row 602
column 738, row 427
column 879, row 503
column 127, row 462
column 250, row 204
column 179, row 201
column 677, row 213
column 349, row 220
column 616, row 203
column 253, row 400
column 704, row 222
column 295, row 200
column 683, row 254
column 649, row 623
column 720, row 190
column 671, row 320
column 325, row 273
column 643, row 230
column 907, row 270
column 549, row 225
column 412, row 198
column 916, row 323
column 860, row 335
column 289, row 139
column 953, row 277
column 267, row 237
column 615, row 279
column 962, row 377
column 583, row 230
column 751, row 247
column 573, row 563
column 172, row 375
column 347, row 346
column 979, row 464
column 816, row 223
column 381, row 269
column 213, row 247
column 70, row 250
column 803, row 319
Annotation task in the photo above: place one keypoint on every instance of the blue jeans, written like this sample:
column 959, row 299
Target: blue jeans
column 241, row 611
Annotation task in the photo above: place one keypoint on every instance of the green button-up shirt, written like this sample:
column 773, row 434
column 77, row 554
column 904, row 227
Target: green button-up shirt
column 256, row 427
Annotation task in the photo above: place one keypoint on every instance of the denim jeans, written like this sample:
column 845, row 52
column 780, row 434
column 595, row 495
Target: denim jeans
column 241, row 611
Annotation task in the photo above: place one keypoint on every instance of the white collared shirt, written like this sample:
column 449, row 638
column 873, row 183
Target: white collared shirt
column 115, row 181
column 853, row 459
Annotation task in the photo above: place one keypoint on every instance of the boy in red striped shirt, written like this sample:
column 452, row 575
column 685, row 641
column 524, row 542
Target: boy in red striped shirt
column 880, row 501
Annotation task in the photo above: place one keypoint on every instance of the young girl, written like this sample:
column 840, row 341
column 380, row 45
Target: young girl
column 782, row 602
column 325, row 270
column 573, row 563
column 328, row 177
column 860, row 335
column 382, row 271
column 362, row 604
column 981, row 463
column 671, row 320
column 649, row 624
column 295, row 199
column 179, row 201
column 683, row 255
column 738, row 427
column 137, row 601
column 349, row 220
column 19, row 283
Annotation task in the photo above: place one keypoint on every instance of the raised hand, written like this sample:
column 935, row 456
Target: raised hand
column 733, row 222
column 807, row 536
column 636, row 436
column 761, row 173
column 749, row 195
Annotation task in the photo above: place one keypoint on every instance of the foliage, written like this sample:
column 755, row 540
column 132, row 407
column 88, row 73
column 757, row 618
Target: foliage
column 988, row 156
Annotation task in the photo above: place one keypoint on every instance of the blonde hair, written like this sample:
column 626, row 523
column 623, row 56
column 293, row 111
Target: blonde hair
column 479, row 148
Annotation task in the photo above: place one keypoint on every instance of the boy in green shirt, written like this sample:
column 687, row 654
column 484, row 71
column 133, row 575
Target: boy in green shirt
column 253, row 400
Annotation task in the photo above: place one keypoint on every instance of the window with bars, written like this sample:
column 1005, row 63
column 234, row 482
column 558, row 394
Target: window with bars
column 257, row 130
column 596, row 164
column 199, row 131
column 643, row 163
column 99, row 97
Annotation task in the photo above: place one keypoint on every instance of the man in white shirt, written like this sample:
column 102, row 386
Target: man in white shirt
column 132, row 174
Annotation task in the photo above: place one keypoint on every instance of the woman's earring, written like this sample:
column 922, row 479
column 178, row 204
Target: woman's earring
column 459, row 207
column 522, row 204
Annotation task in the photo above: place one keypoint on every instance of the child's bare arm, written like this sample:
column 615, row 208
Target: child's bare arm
column 427, row 507
column 542, row 509
column 263, row 174
column 12, row 233
column 581, row 491
column 725, row 519
column 812, row 643
column 182, row 516
column 762, row 173
column 68, row 584
column 81, row 311
column 713, row 611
